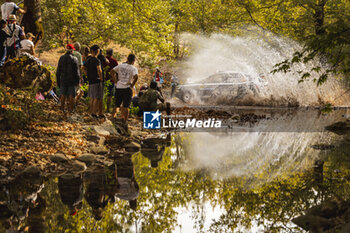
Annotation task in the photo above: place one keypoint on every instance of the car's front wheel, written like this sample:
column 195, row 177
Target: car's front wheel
column 187, row 97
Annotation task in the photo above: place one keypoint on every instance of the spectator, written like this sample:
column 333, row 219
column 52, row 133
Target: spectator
column 110, row 86
column 27, row 45
column 86, row 54
column 16, row 34
column 104, row 63
column 158, row 77
column 148, row 101
column 125, row 76
column 67, row 75
column 93, row 70
column 3, row 37
column 135, row 99
column 10, row 8
column 77, row 54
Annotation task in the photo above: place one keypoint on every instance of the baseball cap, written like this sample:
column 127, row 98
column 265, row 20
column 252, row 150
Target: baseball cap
column 70, row 46
column 29, row 34
column 12, row 18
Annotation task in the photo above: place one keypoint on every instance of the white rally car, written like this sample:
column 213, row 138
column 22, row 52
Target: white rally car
column 236, row 85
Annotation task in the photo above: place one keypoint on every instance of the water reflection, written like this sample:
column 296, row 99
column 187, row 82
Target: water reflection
column 190, row 186
column 153, row 149
column 22, row 205
column 70, row 187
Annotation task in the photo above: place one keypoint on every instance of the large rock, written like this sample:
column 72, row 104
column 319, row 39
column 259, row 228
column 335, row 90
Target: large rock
column 105, row 129
column 313, row 223
column 101, row 131
column 121, row 126
column 32, row 171
column 340, row 128
column 27, row 72
column 108, row 126
column 96, row 139
column 132, row 147
column 59, row 158
column 100, row 150
column 87, row 158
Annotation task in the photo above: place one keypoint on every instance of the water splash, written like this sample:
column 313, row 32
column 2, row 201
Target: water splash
column 263, row 156
column 258, row 54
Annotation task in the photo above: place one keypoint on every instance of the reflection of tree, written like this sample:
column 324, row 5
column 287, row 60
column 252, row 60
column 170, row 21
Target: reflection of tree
column 164, row 189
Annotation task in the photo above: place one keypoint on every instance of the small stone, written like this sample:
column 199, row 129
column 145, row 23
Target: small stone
column 32, row 171
column 100, row 150
column 101, row 131
column 59, row 158
column 108, row 163
column 100, row 140
column 17, row 153
column 132, row 147
column 29, row 152
column 3, row 171
column 87, row 158
column 108, row 126
column 93, row 138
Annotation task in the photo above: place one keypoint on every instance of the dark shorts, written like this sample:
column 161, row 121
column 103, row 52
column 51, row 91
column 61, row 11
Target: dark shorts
column 110, row 88
column 68, row 91
column 96, row 91
column 123, row 95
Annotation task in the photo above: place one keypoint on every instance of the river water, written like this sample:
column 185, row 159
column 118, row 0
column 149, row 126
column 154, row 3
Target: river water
column 256, row 179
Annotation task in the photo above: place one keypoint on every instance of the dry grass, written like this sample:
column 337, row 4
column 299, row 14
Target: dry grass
column 50, row 57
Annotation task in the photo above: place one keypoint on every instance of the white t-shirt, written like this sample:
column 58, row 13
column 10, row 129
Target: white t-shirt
column 125, row 72
column 7, row 9
column 27, row 44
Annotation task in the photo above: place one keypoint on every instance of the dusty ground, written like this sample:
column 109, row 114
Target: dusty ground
column 54, row 133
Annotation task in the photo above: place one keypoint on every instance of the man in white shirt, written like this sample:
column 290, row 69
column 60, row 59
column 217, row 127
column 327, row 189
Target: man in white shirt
column 27, row 45
column 125, row 76
column 10, row 8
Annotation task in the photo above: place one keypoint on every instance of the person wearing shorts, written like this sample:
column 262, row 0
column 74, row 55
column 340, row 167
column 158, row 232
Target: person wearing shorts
column 93, row 70
column 125, row 76
column 67, row 76
column 110, row 85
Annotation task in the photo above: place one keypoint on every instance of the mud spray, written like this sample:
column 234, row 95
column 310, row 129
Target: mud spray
column 254, row 55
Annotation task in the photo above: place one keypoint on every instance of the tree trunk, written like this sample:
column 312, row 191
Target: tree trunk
column 319, row 17
column 32, row 19
column 176, row 41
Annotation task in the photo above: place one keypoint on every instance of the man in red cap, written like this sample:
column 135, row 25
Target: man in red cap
column 68, row 76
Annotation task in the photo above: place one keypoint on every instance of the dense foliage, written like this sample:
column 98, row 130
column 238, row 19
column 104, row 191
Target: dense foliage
column 154, row 27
